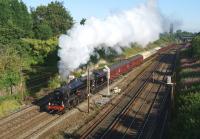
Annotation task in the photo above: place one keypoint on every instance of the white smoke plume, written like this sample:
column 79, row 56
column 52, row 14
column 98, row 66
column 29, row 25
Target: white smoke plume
column 142, row 25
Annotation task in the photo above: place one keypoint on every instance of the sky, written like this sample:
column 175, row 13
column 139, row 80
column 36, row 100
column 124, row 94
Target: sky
column 185, row 12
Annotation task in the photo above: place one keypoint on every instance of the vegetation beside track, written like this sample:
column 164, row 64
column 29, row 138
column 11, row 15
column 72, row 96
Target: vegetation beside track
column 9, row 104
column 196, row 46
column 185, row 122
column 28, row 49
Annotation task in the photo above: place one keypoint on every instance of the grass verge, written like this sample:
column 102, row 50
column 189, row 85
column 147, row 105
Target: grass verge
column 185, row 122
column 8, row 105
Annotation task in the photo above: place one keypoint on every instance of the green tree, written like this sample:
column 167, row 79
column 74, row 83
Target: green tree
column 83, row 20
column 5, row 12
column 54, row 15
column 15, row 13
column 20, row 16
column 10, row 34
column 40, row 49
column 43, row 32
column 10, row 67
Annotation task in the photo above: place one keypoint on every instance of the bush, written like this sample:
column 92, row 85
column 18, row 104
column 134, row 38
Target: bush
column 43, row 32
column 186, row 120
column 10, row 64
column 186, row 124
column 41, row 48
column 54, row 82
column 196, row 46
column 9, row 104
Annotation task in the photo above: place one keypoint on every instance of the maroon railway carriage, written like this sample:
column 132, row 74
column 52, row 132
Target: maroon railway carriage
column 135, row 61
column 124, row 66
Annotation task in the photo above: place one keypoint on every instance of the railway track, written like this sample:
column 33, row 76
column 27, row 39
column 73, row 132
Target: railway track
column 52, row 126
column 135, row 130
column 23, row 123
column 103, row 125
column 30, row 122
column 134, row 113
column 156, row 119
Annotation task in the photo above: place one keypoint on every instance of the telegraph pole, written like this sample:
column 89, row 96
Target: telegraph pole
column 88, row 88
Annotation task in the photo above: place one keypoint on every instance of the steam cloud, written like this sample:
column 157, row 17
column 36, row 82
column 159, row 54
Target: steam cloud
column 142, row 24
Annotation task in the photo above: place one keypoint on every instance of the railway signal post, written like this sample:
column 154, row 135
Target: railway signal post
column 88, row 88
column 169, row 82
column 108, row 78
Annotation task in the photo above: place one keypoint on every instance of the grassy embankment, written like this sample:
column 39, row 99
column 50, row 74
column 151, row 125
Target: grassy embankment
column 185, row 122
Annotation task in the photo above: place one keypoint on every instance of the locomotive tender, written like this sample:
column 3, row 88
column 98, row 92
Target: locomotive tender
column 69, row 95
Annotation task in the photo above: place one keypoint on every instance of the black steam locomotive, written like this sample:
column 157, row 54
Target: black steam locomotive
column 75, row 91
